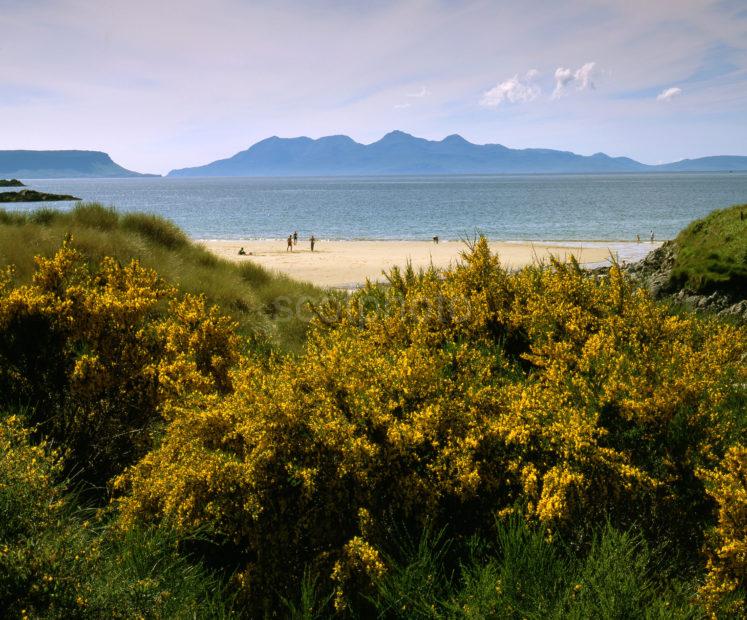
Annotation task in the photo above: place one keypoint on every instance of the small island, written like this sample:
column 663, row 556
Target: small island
column 11, row 183
column 30, row 195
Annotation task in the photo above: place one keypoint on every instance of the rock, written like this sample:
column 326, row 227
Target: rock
column 737, row 311
column 30, row 195
column 654, row 274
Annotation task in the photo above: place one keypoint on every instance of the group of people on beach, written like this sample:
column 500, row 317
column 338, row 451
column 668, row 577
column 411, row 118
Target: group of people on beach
column 651, row 236
column 293, row 241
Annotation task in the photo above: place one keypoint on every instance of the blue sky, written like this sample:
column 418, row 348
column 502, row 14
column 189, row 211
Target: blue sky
column 166, row 84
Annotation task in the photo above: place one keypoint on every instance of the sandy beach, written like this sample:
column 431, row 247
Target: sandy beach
column 347, row 264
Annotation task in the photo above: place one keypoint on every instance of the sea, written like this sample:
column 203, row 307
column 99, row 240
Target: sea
column 541, row 208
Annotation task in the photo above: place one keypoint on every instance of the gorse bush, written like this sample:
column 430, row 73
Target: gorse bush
column 29, row 498
column 725, row 589
column 86, row 350
column 460, row 443
column 449, row 400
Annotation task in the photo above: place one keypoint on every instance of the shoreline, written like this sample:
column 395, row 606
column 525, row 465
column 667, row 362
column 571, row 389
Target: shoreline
column 346, row 264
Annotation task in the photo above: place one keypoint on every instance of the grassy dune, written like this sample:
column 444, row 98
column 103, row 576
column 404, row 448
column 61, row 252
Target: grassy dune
column 712, row 252
column 259, row 300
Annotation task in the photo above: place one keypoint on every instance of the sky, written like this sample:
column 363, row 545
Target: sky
column 163, row 84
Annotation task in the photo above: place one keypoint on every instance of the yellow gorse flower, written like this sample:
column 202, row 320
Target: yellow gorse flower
column 101, row 356
column 472, row 392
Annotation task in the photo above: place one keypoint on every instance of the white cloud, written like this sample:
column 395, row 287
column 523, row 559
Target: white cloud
column 669, row 94
column 423, row 92
column 582, row 78
column 514, row 90
column 402, row 106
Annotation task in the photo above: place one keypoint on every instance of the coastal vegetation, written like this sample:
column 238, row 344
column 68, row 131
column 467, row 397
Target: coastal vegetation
column 30, row 195
column 712, row 253
column 469, row 443
column 10, row 183
column 264, row 305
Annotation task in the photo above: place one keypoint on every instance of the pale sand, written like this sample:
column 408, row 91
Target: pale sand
column 347, row 264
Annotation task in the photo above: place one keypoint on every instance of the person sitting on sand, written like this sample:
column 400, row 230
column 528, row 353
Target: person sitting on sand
column 290, row 243
column 242, row 252
column 312, row 240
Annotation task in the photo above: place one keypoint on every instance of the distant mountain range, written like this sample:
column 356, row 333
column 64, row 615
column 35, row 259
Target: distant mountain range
column 400, row 153
column 396, row 153
column 60, row 165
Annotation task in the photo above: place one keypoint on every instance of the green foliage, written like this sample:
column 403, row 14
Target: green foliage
column 712, row 252
column 257, row 300
column 521, row 574
column 57, row 561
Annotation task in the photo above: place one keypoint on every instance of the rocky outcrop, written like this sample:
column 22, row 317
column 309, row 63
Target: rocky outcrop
column 655, row 270
column 654, row 273
column 30, row 195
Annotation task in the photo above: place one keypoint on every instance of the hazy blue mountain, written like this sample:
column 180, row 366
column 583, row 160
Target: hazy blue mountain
column 60, row 165
column 717, row 163
column 400, row 153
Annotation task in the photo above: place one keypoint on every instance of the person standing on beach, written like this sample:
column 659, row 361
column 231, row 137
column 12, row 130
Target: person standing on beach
column 652, row 236
column 638, row 238
column 295, row 237
column 290, row 243
column 312, row 240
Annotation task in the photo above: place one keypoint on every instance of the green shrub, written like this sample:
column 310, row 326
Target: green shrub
column 57, row 561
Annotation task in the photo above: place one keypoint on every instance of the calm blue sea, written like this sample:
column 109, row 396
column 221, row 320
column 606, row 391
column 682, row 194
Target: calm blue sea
column 521, row 207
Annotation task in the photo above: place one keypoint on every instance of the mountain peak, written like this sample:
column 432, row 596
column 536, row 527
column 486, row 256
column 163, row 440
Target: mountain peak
column 454, row 138
column 397, row 135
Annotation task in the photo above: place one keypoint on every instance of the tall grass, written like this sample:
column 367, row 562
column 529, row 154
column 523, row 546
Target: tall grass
column 521, row 573
column 268, row 307
column 58, row 560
